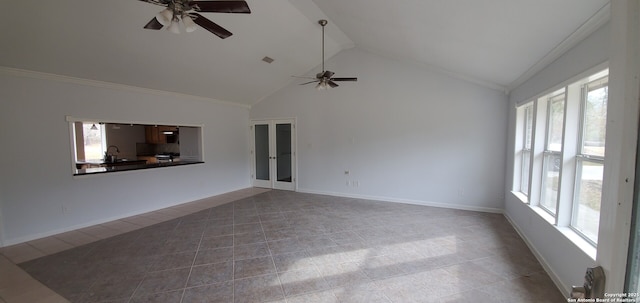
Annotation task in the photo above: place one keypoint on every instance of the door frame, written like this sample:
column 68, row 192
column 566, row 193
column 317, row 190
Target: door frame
column 273, row 183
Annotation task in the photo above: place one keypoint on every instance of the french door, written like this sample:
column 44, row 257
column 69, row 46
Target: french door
column 273, row 154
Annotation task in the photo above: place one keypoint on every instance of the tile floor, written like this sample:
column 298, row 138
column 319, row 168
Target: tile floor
column 281, row 246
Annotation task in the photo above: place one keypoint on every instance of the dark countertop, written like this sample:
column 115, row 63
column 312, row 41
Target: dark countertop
column 90, row 164
column 118, row 168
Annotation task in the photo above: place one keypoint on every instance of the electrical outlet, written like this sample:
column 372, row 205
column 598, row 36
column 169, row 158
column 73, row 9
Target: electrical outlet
column 64, row 209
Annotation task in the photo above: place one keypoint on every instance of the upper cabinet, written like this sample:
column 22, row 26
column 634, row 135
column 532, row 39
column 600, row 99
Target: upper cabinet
column 160, row 134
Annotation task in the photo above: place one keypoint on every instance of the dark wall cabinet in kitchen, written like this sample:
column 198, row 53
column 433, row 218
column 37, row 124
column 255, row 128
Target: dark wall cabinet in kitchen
column 158, row 134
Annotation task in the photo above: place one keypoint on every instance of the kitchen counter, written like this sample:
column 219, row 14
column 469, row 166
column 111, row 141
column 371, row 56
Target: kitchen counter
column 82, row 165
column 129, row 166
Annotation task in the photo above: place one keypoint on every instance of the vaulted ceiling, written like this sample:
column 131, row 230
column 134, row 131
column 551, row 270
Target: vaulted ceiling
column 493, row 42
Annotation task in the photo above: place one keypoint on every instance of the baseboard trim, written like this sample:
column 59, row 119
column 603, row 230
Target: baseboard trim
column 554, row 277
column 24, row 239
column 405, row 201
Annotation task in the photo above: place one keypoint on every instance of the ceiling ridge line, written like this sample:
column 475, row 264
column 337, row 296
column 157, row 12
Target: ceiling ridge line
column 595, row 22
column 18, row 72
column 434, row 68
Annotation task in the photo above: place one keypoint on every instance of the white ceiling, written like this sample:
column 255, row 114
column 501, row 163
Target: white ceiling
column 490, row 41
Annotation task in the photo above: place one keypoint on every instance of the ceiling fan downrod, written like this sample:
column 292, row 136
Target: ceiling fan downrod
column 322, row 22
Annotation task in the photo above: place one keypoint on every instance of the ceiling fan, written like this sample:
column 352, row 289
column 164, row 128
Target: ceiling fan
column 187, row 11
column 325, row 78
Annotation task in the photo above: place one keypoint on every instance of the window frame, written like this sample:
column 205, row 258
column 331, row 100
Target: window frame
column 549, row 153
column 582, row 157
column 527, row 133
column 103, row 140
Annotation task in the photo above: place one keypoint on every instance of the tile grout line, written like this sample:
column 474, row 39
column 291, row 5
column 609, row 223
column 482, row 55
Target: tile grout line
column 95, row 238
column 271, row 256
column 193, row 262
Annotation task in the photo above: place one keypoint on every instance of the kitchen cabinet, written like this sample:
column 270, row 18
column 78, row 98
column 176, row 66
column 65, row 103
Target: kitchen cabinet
column 155, row 134
column 152, row 134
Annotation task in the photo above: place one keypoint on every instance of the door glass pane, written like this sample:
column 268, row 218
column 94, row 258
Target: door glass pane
column 551, row 181
column 262, row 152
column 283, row 152
column 586, row 214
column 633, row 259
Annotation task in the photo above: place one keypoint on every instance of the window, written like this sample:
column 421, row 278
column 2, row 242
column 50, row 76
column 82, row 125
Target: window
column 560, row 150
column 553, row 153
column 590, row 159
column 526, row 148
column 92, row 139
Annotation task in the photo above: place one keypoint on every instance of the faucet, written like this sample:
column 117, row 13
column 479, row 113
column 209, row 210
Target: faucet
column 110, row 146
column 111, row 158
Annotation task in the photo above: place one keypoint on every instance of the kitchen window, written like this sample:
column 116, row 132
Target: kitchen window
column 91, row 141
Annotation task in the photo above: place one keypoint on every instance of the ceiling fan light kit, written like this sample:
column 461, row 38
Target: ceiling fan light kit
column 325, row 78
column 174, row 27
column 165, row 17
column 189, row 25
column 187, row 12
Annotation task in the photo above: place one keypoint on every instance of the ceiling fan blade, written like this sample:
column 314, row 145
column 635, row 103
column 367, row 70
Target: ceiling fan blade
column 153, row 24
column 344, row 79
column 157, row 2
column 234, row 7
column 314, row 81
column 327, row 74
column 210, row 26
column 332, row 84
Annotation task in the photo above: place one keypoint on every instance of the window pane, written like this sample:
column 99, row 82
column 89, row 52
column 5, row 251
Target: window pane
column 526, row 161
column 528, row 126
column 93, row 141
column 595, row 121
column 586, row 214
column 556, row 119
column 551, row 179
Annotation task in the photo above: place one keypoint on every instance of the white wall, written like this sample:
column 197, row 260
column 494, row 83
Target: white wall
column 564, row 260
column 36, row 177
column 404, row 133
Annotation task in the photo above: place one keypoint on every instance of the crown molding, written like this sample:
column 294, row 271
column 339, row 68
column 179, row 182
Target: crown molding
column 16, row 72
column 597, row 20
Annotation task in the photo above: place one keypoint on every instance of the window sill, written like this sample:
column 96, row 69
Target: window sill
column 545, row 215
column 585, row 246
column 571, row 235
column 567, row 232
column 523, row 198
